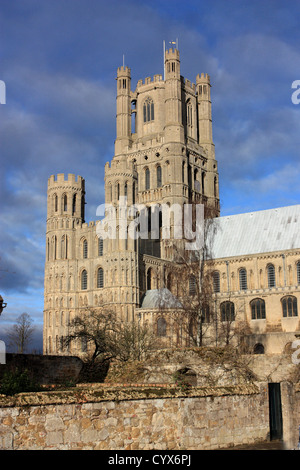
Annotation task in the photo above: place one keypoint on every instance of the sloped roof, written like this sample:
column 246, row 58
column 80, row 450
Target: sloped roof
column 160, row 298
column 255, row 232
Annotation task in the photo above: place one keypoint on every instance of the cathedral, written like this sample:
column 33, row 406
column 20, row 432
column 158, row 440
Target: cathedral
column 165, row 158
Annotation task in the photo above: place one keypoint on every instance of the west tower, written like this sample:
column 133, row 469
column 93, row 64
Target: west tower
column 164, row 155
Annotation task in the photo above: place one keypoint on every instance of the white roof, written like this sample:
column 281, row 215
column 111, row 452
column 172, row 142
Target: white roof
column 160, row 298
column 256, row 232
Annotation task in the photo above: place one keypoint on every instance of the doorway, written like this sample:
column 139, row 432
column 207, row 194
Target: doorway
column 275, row 411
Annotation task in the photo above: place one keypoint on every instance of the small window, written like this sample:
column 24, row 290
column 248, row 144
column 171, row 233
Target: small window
column 148, row 110
column 149, row 279
column 271, row 275
column 147, row 178
column 100, row 278
column 55, row 202
column 161, row 327
column 298, row 273
column 84, row 280
column 259, row 348
column 74, row 204
column 243, row 279
column 65, row 202
column 189, row 114
column 258, row 309
column 192, row 285
column 205, row 314
column 85, row 249
column 216, row 281
column 227, row 311
column 158, row 176
column 289, row 306
column 100, row 246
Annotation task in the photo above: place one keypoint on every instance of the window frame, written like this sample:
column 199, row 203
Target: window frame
column 258, row 309
column 226, row 315
column 289, row 304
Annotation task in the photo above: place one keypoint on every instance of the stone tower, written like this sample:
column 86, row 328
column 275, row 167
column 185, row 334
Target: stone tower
column 164, row 156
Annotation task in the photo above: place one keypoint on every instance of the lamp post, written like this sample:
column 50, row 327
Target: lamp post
column 2, row 304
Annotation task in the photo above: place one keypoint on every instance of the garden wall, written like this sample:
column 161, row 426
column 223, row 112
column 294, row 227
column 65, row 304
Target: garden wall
column 141, row 417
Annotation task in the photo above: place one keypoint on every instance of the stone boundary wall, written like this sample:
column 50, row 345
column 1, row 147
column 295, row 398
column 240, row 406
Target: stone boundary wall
column 130, row 418
column 45, row 369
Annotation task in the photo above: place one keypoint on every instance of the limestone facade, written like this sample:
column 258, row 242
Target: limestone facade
column 164, row 155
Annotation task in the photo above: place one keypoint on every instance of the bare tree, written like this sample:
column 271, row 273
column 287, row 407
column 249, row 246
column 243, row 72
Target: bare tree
column 135, row 341
column 106, row 337
column 96, row 329
column 194, row 285
column 20, row 334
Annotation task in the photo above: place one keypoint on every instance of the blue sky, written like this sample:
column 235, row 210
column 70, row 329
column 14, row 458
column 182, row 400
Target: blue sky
column 58, row 59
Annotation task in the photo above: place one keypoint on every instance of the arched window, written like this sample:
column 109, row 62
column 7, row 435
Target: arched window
column 205, row 314
column 161, row 327
column 202, row 181
column 196, row 182
column 243, row 279
column 189, row 113
column 65, row 202
column 271, row 275
column 158, row 176
column 84, row 280
column 100, row 278
column 289, row 306
column 183, row 172
column 118, row 191
column 227, row 311
column 133, row 193
column 148, row 110
column 192, row 285
column 258, row 348
column 147, row 178
column 216, row 281
column 55, row 202
column 64, row 247
column 85, row 248
column 74, row 204
column 125, row 189
column 258, row 309
column 149, row 279
column 100, row 246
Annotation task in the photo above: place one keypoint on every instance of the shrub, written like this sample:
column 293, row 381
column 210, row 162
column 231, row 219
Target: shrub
column 17, row 381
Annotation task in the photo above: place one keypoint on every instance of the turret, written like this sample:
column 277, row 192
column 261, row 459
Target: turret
column 174, row 131
column 65, row 210
column 123, row 138
column 204, row 113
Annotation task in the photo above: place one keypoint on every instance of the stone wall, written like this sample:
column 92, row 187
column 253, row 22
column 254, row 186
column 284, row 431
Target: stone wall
column 132, row 418
column 45, row 369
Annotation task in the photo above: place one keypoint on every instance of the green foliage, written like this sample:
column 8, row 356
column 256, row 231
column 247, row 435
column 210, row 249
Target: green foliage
column 180, row 381
column 17, row 381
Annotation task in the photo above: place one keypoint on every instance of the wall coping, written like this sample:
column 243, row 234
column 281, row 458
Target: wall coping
column 94, row 393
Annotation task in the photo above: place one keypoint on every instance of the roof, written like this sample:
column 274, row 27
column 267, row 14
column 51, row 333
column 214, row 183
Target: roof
column 255, row 232
column 160, row 298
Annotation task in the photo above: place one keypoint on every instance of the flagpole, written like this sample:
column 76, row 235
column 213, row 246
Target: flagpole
column 164, row 47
